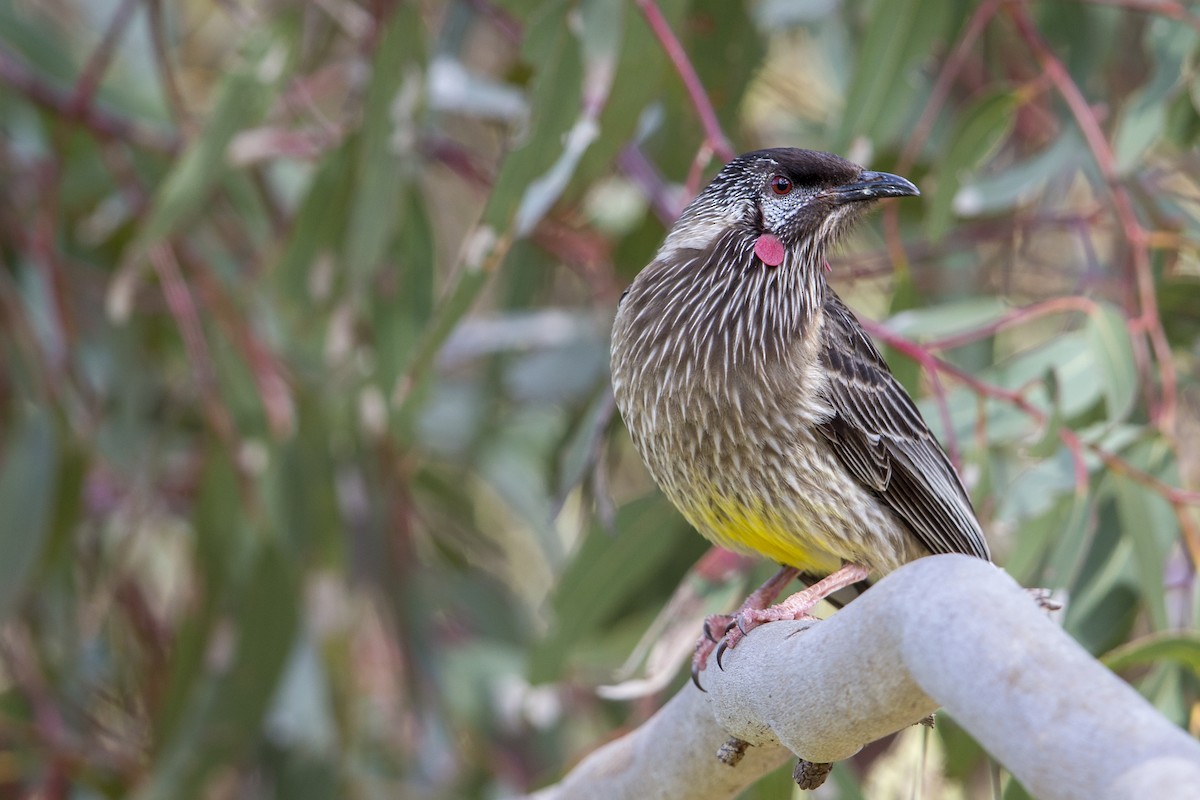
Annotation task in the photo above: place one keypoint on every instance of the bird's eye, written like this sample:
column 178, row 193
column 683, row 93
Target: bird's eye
column 780, row 184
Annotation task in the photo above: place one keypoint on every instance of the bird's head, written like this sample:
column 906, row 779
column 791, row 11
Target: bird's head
column 780, row 203
column 739, row 277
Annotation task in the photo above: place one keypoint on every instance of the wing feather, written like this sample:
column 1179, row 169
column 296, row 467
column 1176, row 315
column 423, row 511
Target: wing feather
column 883, row 441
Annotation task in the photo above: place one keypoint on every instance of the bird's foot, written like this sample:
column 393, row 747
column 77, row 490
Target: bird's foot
column 797, row 606
column 718, row 625
column 723, row 631
column 748, row 619
column 715, row 627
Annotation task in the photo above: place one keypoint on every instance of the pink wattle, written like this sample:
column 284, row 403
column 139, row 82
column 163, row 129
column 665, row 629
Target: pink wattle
column 769, row 249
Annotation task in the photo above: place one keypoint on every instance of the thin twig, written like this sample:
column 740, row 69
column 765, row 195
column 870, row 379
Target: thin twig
column 1162, row 8
column 713, row 134
column 931, row 363
column 1181, row 500
column 1017, row 316
column 945, row 79
column 924, row 125
column 97, row 64
column 265, row 367
column 1148, row 318
column 103, row 124
column 663, row 202
column 183, row 309
column 162, row 57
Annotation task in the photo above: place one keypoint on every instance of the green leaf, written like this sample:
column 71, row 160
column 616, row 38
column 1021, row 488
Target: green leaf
column 946, row 319
column 416, row 372
column 299, row 486
column 1104, row 608
column 1179, row 307
column 28, row 484
column 1050, row 441
column 1041, row 504
column 1149, row 522
column 555, row 101
column 1144, row 120
column 1168, row 687
column 224, row 546
column 1073, row 362
column 905, row 297
column 401, row 306
column 1085, row 35
column 243, row 96
column 899, row 33
column 599, row 49
column 317, row 230
column 982, row 194
column 1066, row 542
column 978, row 131
column 576, row 456
column 1107, row 336
column 1181, row 647
column 604, row 574
column 727, row 52
column 642, row 70
column 226, row 703
column 375, row 203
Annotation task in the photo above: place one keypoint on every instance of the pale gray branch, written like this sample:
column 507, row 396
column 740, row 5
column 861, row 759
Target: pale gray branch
column 949, row 631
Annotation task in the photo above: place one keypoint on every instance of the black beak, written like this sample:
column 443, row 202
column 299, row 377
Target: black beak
column 872, row 186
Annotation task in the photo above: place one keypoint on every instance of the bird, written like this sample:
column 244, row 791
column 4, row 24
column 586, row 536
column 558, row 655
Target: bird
column 759, row 404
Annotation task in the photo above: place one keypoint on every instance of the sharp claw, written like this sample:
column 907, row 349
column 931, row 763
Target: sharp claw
column 731, row 623
column 696, row 677
column 721, row 648
column 741, row 624
column 708, row 634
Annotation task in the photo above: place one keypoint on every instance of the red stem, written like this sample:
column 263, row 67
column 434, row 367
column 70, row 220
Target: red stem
column 97, row 64
column 187, row 317
column 1148, row 318
column 945, row 79
column 1056, row 305
column 1181, row 500
column 1164, row 8
column 924, row 125
column 714, row 136
column 103, row 124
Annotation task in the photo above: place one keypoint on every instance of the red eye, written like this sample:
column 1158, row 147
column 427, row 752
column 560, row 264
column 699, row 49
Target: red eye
column 780, row 184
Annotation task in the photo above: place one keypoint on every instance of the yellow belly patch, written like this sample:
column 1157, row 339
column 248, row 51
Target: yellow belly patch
column 736, row 527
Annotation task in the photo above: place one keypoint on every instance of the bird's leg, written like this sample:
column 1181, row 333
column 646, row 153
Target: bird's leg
column 795, row 607
column 717, row 625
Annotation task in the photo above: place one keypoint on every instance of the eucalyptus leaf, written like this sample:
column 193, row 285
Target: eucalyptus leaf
column 1144, row 121
column 980, row 129
column 1107, row 335
column 242, row 99
column 1182, row 647
column 898, row 34
column 28, row 481
column 948, row 318
column 605, row 574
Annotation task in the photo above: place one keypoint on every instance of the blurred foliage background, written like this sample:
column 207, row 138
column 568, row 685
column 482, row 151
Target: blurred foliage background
column 311, row 485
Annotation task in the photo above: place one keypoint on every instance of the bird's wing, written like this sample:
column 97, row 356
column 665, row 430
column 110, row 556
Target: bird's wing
column 883, row 441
